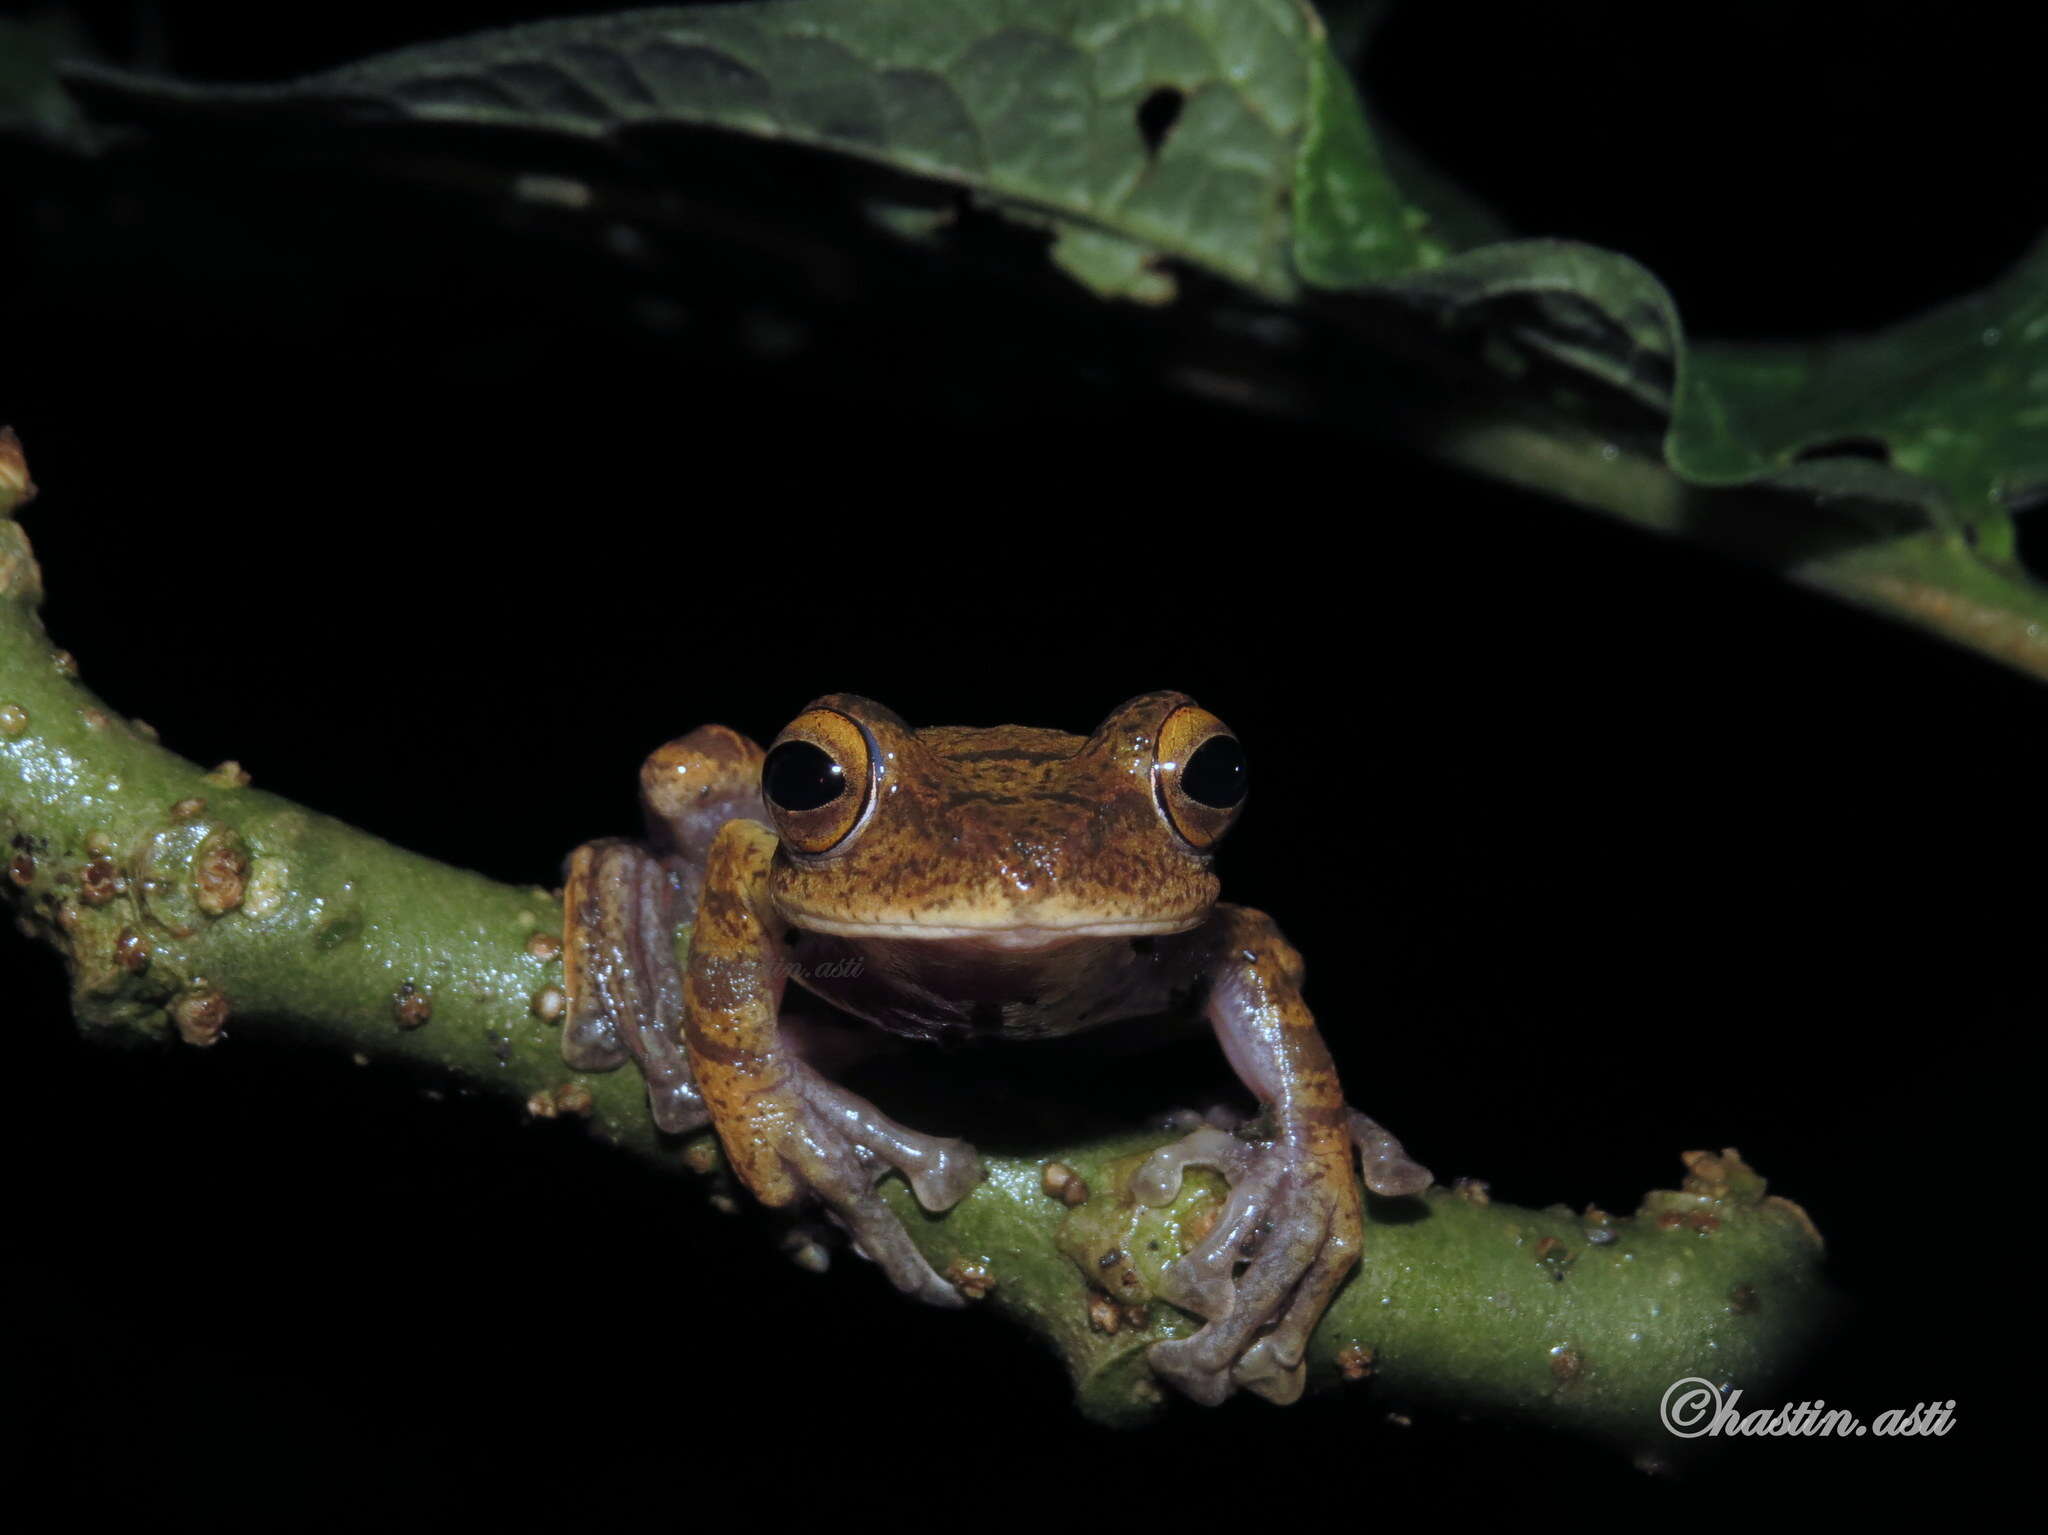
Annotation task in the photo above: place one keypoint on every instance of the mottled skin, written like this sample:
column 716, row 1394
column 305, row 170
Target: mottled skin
column 1007, row 882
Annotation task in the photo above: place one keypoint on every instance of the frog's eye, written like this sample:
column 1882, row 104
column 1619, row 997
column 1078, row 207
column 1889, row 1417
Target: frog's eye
column 1200, row 775
column 816, row 780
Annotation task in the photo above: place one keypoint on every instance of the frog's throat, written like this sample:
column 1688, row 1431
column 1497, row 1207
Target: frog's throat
column 999, row 936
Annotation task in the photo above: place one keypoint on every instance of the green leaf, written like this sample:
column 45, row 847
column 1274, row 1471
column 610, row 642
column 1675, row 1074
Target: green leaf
column 1113, row 267
column 1958, row 399
column 1352, row 225
column 1598, row 312
column 1033, row 104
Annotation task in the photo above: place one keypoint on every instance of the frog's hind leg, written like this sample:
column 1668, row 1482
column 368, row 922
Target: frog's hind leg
column 623, row 903
column 621, row 908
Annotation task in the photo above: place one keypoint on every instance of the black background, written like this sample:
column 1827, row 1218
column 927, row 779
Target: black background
column 437, row 514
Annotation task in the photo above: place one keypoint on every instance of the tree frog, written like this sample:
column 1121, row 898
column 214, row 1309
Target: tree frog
column 958, row 883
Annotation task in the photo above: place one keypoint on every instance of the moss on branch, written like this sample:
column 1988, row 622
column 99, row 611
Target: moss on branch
column 190, row 906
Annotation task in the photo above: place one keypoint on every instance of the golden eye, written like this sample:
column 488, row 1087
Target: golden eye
column 1200, row 775
column 818, row 779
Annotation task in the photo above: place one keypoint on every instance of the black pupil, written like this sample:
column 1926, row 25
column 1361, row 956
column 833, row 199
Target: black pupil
column 1214, row 775
column 798, row 776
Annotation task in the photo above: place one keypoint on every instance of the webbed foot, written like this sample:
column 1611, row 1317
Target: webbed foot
column 1288, row 1235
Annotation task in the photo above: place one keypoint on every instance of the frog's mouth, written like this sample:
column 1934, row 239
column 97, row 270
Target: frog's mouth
column 1011, row 936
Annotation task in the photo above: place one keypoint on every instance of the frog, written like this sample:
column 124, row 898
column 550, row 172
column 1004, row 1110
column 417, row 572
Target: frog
column 951, row 884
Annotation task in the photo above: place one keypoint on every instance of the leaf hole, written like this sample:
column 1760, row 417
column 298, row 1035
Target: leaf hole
column 1872, row 448
column 1157, row 114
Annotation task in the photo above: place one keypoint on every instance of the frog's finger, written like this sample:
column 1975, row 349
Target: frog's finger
column 1202, row 1281
column 844, row 1146
column 1262, row 1372
column 939, row 1169
column 1293, row 1236
column 878, row 1236
column 1389, row 1170
column 1273, row 1366
column 1158, row 1178
column 597, row 924
column 1175, row 1361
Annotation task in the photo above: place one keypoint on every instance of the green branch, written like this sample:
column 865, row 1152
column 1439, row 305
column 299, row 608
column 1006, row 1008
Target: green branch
column 1928, row 578
column 191, row 906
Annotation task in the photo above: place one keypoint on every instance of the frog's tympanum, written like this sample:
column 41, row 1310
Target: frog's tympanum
column 957, row 883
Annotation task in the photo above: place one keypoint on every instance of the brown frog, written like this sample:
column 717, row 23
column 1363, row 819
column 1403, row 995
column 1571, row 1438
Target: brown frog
column 1012, row 881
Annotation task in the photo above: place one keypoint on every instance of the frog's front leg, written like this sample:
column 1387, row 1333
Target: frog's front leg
column 788, row 1132
column 1291, row 1229
column 622, row 904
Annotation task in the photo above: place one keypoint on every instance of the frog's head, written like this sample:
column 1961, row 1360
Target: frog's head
column 1012, row 837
